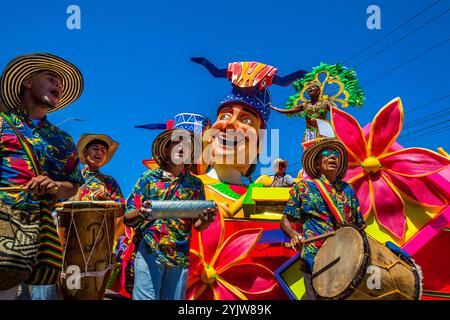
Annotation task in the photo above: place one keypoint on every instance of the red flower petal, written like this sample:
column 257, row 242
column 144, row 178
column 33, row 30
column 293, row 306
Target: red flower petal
column 385, row 128
column 196, row 290
column 388, row 205
column 211, row 238
column 361, row 186
column 350, row 133
column 223, row 291
column 196, row 266
column 236, row 248
column 250, row 278
column 417, row 189
column 414, row 162
column 352, row 173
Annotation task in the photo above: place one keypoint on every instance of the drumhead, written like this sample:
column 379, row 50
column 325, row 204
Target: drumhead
column 86, row 206
column 340, row 263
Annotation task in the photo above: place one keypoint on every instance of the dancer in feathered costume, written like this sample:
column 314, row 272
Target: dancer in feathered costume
column 325, row 87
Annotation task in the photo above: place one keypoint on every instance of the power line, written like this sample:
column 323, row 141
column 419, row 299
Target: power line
column 402, row 38
column 391, row 32
column 429, row 103
column 428, row 134
column 406, row 62
column 428, row 127
column 432, row 116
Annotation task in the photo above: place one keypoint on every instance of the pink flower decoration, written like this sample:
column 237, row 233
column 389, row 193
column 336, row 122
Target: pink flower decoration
column 379, row 174
column 216, row 272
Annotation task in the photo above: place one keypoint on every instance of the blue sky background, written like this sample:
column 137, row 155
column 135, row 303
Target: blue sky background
column 135, row 59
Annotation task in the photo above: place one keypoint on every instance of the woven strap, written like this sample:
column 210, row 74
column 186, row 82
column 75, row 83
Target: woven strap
column 25, row 145
column 338, row 214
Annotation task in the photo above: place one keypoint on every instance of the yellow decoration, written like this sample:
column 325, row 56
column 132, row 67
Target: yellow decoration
column 371, row 165
column 208, row 275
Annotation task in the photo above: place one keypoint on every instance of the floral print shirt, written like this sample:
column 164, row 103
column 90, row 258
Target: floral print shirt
column 168, row 238
column 54, row 150
column 308, row 207
column 94, row 181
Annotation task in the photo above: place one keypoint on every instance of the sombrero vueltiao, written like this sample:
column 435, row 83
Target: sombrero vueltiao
column 86, row 138
column 312, row 149
column 163, row 140
column 21, row 67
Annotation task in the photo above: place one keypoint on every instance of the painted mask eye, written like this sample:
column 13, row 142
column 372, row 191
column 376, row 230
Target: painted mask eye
column 247, row 121
column 225, row 116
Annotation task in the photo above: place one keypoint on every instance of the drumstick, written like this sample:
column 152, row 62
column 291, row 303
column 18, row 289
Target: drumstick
column 20, row 189
column 313, row 239
column 12, row 189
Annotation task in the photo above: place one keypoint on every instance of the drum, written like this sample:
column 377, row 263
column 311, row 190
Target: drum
column 86, row 229
column 353, row 266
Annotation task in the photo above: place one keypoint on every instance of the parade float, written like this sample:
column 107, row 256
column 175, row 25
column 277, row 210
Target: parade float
column 403, row 192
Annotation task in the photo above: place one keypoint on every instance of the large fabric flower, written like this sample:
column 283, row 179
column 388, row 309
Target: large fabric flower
column 216, row 272
column 379, row 174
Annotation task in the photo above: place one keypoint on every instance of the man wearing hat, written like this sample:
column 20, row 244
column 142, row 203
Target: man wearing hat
column 39, row 166
column 160, row 265
column 323, row 203
column 96, row 150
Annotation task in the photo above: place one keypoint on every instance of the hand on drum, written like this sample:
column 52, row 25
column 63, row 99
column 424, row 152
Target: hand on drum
column 100, row 195
column 41, row 185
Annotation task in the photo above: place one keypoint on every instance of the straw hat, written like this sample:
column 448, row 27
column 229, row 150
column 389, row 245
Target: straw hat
column 314, row 147
column 86, row 138
column 22, row 67
column 162, row 141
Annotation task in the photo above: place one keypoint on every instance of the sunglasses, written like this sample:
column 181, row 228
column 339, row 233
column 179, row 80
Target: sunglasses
column 329, row 152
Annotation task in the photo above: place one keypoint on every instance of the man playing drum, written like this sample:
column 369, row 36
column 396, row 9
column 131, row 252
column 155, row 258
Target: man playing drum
column 39, row 166
column 321, row 204
column 161, row 263
column 96, row 150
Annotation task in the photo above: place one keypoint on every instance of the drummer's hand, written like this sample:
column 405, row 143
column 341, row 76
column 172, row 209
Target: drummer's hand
column 41, row 185
column 100, row 195
column 295, row 240
column 145, row 209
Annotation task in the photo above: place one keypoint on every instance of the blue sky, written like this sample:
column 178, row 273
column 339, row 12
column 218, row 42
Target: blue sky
column 135, row 59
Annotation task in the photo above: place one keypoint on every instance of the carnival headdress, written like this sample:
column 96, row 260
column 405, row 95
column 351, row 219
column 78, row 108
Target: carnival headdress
column 338, row 84
column 250, row 81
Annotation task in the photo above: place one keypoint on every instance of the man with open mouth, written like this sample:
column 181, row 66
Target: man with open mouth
column 39, row 167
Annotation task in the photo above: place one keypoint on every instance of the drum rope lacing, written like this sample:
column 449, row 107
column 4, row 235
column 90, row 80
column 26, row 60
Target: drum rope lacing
column 87, row 273
column 388, row 268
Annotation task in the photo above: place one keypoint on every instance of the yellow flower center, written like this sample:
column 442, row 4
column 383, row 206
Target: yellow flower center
column 371, row 165
column 208, row 275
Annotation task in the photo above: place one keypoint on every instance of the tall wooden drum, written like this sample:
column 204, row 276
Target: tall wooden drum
column 86, row 229
column 352, row 265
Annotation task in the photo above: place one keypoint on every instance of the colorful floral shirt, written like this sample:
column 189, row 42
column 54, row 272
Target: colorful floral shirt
column 168, row 238
column 96, row 180
column 54, row 150
column 307, row 205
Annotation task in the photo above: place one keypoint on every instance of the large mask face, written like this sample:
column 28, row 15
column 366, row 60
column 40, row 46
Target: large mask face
column 234, row 138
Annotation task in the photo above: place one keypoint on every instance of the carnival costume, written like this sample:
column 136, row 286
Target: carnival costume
column 337, row 86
